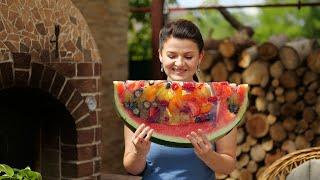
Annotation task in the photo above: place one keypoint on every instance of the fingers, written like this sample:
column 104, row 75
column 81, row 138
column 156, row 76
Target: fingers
column 193, row 141
column 149, row 134
column 199, row 141
column 203, row 136
column 142, row 135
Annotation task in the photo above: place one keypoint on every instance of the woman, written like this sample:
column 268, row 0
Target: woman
column 180, row 53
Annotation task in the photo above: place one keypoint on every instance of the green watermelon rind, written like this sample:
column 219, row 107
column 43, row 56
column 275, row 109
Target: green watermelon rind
column 177, row 141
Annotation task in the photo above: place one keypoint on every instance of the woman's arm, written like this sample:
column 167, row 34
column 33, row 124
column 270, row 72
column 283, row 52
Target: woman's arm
column 137, row 146
column 223, row 160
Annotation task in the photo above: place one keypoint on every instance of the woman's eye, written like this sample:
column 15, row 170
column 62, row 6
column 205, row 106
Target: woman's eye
column 188, row 57
column 171, row 56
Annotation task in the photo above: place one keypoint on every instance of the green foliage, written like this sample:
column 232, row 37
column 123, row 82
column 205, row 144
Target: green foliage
column 139, row 35
column 8, row 173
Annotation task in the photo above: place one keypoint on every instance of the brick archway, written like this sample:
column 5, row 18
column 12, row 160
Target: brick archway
column 79, row 149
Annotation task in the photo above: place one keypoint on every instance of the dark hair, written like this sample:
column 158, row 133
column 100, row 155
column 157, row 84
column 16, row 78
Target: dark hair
column 181, row 29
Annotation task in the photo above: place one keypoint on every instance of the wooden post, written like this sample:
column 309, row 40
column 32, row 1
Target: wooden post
column 157, row 21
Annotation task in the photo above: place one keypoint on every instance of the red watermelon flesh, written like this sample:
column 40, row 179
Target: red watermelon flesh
column 174, row 109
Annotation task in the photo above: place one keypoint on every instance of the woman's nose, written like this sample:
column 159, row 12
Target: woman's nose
column 179, row 61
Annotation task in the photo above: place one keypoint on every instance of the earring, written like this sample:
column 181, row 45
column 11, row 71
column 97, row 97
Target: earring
column 198, row 69
column 161, row 69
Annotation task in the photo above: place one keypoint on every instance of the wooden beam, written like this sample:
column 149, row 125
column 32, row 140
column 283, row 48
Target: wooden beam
column 157, row 21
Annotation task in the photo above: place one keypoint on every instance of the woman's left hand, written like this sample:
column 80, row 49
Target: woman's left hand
column 200, row 143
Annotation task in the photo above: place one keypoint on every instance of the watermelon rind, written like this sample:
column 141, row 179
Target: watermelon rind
column 178, row 141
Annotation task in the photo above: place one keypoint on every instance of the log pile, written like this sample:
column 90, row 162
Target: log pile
column 284, row 111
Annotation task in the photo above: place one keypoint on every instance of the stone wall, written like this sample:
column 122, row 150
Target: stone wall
column 108, row 21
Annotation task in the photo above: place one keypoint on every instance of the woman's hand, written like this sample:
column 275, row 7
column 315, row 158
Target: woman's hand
column 200, row 143
column 141, row 140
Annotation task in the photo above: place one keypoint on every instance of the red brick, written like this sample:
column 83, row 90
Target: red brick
column 85, row 69
column 85, row 136
column 21, row 60
column 97, row 69
column 97, row 166
column 91, row 120
column 66, row 69
column 47, row 78
column 36, row 73
column 66, row 92
column 6, row 74
column 21, row 78
column 80, row 111
column 71, row 170
column 75, row 100
column 57, row 85
column 98, row 134
column 85, row 85
column 80, row 153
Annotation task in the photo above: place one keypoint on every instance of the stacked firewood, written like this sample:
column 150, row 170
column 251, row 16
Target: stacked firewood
column 284, row 111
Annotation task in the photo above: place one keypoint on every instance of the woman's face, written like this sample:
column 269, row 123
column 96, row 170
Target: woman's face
column 180, row 58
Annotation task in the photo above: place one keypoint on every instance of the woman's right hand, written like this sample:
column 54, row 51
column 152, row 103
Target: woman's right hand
column 141, row 140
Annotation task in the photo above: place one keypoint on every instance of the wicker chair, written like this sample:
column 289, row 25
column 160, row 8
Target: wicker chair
column 279, row 169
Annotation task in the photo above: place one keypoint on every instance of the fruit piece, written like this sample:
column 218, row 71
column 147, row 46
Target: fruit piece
column 173, row 112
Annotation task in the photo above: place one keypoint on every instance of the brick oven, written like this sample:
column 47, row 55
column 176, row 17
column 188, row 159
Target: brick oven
column 50, row 76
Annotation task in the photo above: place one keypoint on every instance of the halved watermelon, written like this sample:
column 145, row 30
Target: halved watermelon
column 174, row 109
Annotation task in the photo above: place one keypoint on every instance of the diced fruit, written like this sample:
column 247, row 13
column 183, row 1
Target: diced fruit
column 174, row 109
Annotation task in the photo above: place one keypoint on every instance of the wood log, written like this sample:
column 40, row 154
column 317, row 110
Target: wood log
column 269, row 96
column 302, row 126
column 261, row 104
column 277, row 132
column 257, row 125
column 275, row 83
column 221, row 176
column 251, row 141
column 235, row 174
column 273, row 108
column 309, row 77
column 245, row 147
column 276, row 69
column 227, row 48
column 309, row 135
column 252, row 166
column 229, row 63
column 210, row 57
column 219, row 72
column 238, row 151
column 310, row 97
column 269, row 50
column 313, row 86
column 271, row 157
column 271, row 119
column 211, row 44
column 301, row 90
column 288, row 110
column 241, row 135
column 243, row 161
column 300, row 105
column 258, row 91
column 257, row 153
column 247, row 56
column 203, row 77
column 260, row 171
column 256, row 74
column 235, row 77
column 292, row 136
column 309, row 114
column 279, row 91
column 301, row 143
column 294, row 53
column 300, row 71
column 245, row 175
column 315, row 126
column 288, row 146
column 291, row 96
column 267, row 145
column 280, row 99
column 235, row 23
column 289, row 79
column 289, row 124
column 317, row 108
column 313, row 61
